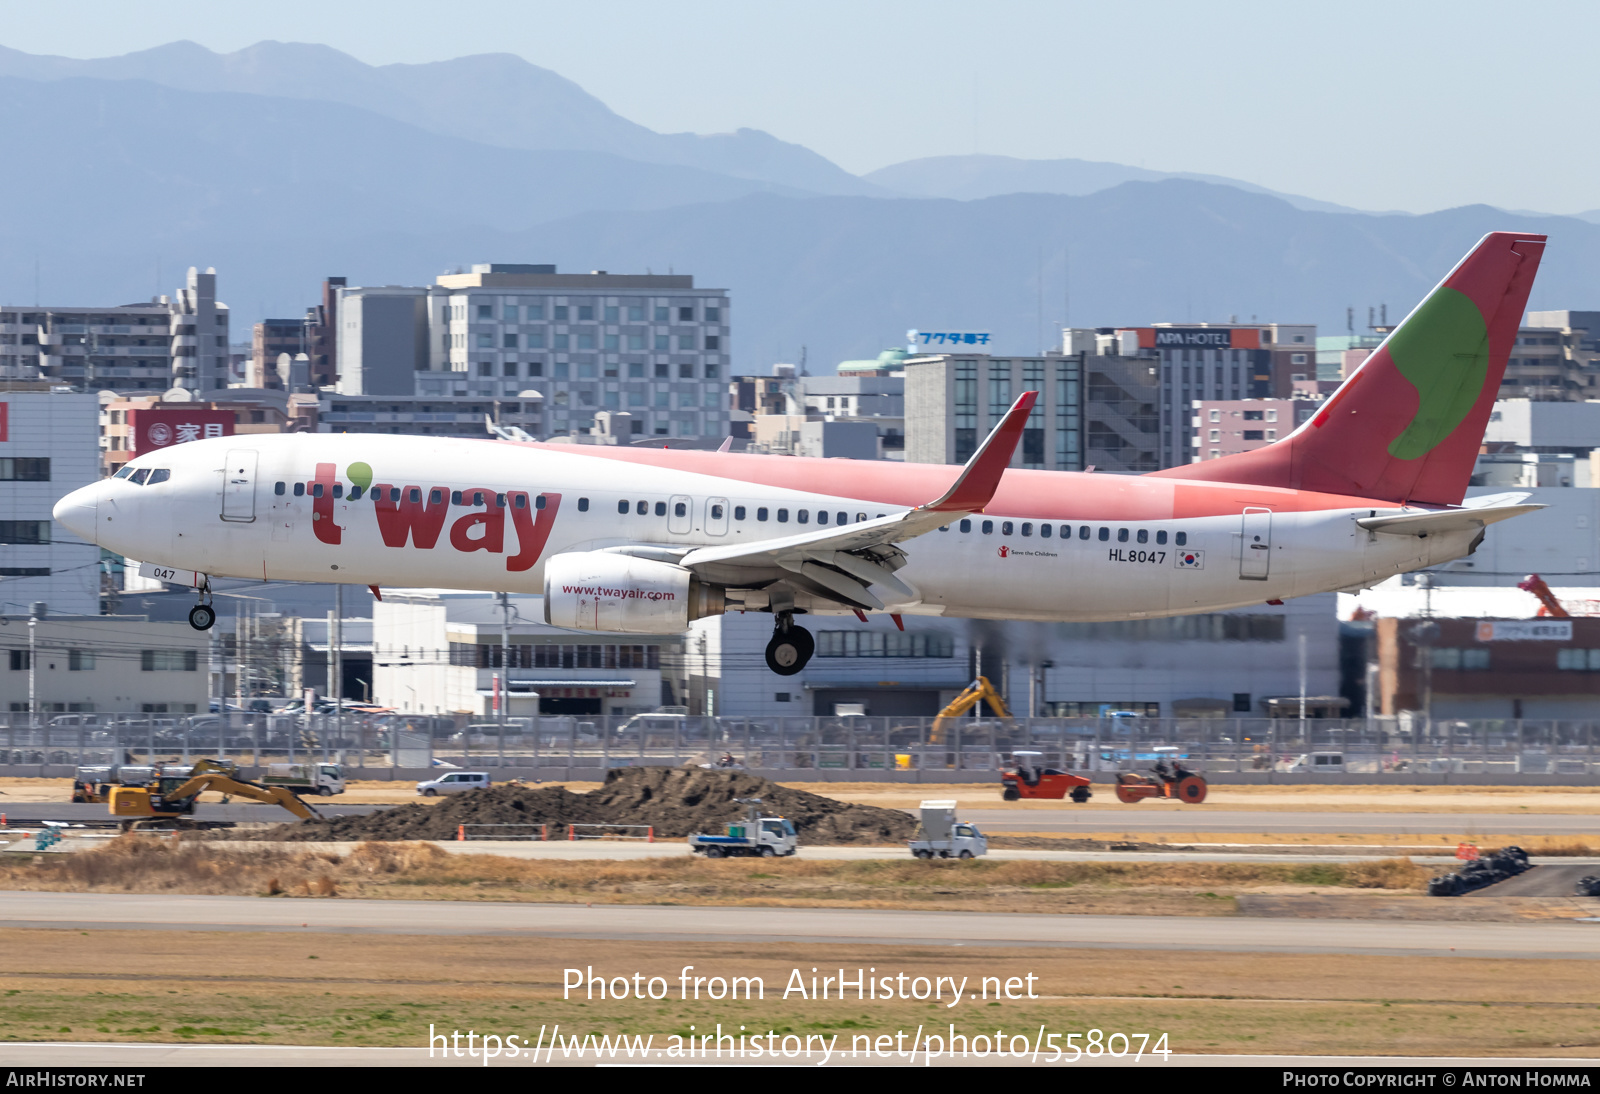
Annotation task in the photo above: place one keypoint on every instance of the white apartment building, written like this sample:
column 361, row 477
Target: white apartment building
column 439, row 652
column 653, row 346
column 122, row 663
column 49, row 446
column 176, row 341
column 1226, row 663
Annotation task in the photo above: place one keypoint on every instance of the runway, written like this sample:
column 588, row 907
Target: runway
column 135, row 1055
column 1201, row 818
column 89, row 911
column 89, row 812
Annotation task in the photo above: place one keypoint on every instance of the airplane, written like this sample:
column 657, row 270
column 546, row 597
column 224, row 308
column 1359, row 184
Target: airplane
column 636, row 540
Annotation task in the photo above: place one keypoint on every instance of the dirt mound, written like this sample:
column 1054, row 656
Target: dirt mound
column 675, row 800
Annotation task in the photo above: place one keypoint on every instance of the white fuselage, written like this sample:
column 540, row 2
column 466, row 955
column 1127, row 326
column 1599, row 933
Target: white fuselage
column 230, row 507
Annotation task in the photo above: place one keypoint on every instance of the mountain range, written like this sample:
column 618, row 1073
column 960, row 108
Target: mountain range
column 283, row 163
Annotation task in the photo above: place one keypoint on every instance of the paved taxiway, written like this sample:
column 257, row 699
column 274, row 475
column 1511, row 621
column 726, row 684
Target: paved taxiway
column 1202, row 818
column 131, row 1056
column 134, row 911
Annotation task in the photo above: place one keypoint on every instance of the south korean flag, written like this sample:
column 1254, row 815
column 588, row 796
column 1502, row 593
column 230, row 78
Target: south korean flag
column 1190, row 560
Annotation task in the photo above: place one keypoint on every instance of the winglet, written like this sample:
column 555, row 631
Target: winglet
column 981, row 477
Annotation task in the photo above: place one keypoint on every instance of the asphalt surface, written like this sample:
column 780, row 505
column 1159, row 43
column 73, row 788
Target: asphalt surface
column 1550, row 878
column 1203, row 818
column 1571, row 939
column 132, row 1056
column 84, row 813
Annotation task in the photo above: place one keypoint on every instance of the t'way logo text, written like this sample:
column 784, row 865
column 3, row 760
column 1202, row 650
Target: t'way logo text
column 416, row 515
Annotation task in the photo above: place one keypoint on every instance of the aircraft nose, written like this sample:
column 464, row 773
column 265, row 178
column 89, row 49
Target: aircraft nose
column 76, row 511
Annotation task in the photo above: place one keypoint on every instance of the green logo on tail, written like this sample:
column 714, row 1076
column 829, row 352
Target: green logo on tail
column 1444, row 351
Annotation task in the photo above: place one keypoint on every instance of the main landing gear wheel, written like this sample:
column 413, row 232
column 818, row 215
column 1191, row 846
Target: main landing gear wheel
column 791, row 647
column 202, row 617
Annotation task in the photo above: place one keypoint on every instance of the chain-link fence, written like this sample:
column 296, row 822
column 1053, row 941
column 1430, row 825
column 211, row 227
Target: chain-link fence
column 579, row 746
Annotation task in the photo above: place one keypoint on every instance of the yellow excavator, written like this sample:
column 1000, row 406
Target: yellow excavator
column 979, row 691
column 172, row 796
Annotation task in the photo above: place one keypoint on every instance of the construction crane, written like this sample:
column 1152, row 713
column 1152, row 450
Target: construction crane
column 174, row 796
column 979, row 691
column 1550, row 607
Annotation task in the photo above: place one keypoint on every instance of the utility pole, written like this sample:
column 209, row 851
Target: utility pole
column 1302, row 685
column 34, row 612
column 505, row 662
column 338, row 666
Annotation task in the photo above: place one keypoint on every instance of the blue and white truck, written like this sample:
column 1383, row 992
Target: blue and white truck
column 754, row 835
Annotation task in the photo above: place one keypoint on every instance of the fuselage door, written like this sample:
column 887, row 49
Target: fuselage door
column 680, row 514
column 239, row 486
column 1255, row 549
column 716, row 516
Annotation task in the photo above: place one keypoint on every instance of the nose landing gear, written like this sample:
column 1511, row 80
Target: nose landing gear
column 791, row 646
column 203, row 616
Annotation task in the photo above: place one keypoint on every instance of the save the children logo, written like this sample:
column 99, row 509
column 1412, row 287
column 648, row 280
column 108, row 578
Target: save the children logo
column 1005, row 551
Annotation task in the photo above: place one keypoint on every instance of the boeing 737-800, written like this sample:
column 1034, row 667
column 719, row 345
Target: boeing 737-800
column 631, row 540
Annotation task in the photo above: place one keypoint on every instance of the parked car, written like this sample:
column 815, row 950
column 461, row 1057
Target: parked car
column 457, row 782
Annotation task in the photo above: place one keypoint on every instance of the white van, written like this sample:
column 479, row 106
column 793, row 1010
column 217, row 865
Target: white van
column 457, row 782
column 1318, row 763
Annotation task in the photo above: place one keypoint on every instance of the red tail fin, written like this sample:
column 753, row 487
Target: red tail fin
column 1408, row 424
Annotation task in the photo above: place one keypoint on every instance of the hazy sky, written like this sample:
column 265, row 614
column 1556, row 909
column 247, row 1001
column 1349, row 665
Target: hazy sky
column 1394, row 105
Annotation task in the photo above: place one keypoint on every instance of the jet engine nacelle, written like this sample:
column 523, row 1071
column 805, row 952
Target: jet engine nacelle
column 602, row 591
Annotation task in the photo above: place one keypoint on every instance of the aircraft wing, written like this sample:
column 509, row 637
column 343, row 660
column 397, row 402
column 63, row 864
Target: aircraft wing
column 843, row 561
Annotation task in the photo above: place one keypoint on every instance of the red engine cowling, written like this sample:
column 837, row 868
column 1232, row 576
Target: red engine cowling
column 620, row 594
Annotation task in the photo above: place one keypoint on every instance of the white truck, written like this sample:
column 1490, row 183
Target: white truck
column 940, row 835
column 754, row 835
column 300, row 779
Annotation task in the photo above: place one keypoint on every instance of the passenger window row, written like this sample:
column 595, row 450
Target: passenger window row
column 740, row 512
column 1047, row 531
column 414, row 495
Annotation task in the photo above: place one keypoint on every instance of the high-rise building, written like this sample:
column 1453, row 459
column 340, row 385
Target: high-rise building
column 176, row 341
column 48, row 444
column 953, row 400
column 1224, row 427
column 653, row 346
column 270, row 338
column 1556, row 358
column 1208, row 361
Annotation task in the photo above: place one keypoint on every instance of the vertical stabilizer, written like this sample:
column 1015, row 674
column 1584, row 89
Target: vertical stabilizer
column 1407, row 425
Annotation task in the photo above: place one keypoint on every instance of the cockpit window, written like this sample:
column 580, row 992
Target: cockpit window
column 123, row 473
column 139, row 476
column 160, row 474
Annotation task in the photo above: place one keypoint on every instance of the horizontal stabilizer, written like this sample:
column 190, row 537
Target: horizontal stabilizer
column 1446, row 520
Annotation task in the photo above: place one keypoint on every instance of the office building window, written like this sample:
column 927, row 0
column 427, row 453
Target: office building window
column 24, row 531
column 168, row 660
column 24, row 469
